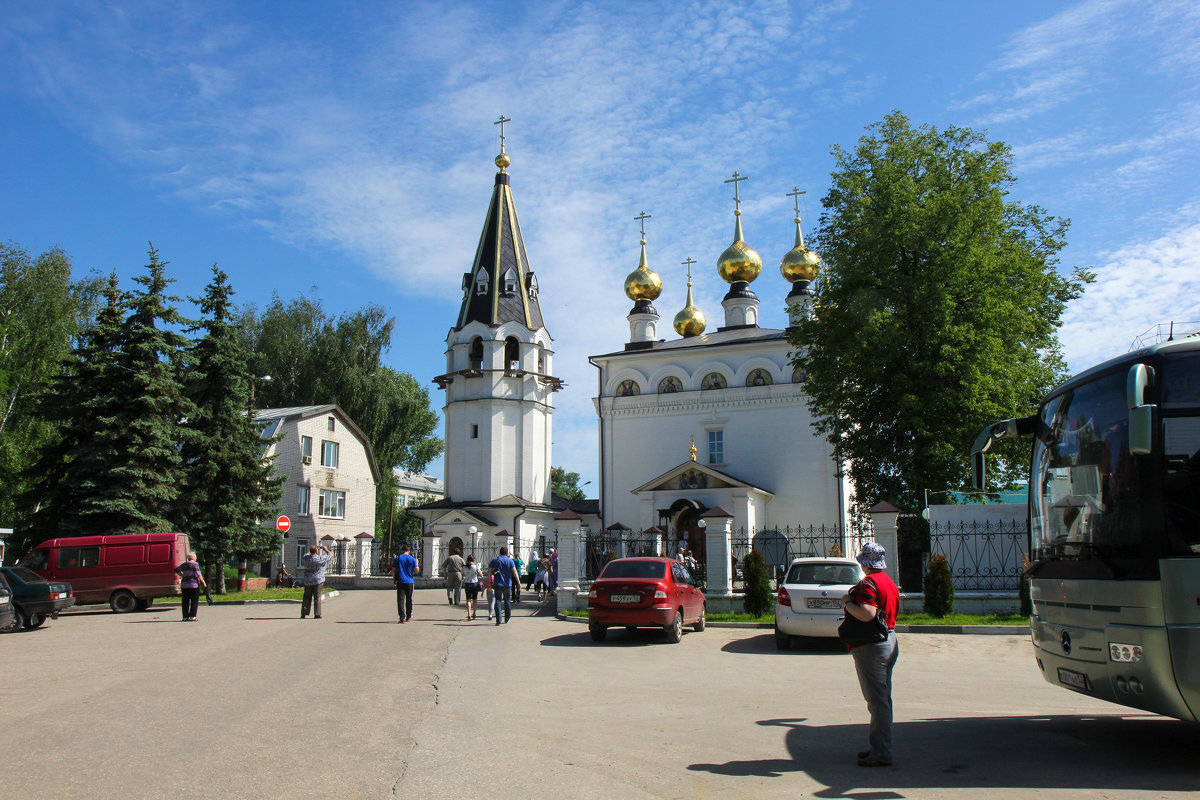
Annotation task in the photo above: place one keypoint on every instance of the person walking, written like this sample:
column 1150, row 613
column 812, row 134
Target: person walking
column 471, row 575
column 489, row 589
column 876, row 594
column 516, row 587
column 541, row 580
column 452, row 567
column 404, row 568
column 191, row 578
column 314, row 580
column 504, row 572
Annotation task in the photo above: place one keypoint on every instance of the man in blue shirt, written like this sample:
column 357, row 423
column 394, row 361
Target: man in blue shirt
column 504, row 573
column 404, row 567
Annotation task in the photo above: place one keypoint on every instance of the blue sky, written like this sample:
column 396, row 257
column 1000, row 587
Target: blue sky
column 345, row 149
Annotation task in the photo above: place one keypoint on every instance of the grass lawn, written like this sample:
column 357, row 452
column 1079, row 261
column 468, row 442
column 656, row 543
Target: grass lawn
column 904, row 619
column 238, row 597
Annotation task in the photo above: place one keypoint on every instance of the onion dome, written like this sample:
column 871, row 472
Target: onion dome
column 643, row 283
column 502, row 160
column 740, row 261
column 690, row 321
column 799, row 263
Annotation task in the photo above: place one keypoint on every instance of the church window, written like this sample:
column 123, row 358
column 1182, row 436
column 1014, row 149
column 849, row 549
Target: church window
column 510, row 281
column 481, row 281
column 541, row 360
column 474, row 431
column 476, row 354
column 669, row 384
column 628, row 388
column 512, row 353
column 713, row 380
column 716, row 447
column 799, row 375
column 758, row 377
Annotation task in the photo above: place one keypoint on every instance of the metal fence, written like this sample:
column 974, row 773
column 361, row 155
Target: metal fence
column 983, row 556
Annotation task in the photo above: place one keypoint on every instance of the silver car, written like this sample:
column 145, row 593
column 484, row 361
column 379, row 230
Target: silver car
column 809, row 600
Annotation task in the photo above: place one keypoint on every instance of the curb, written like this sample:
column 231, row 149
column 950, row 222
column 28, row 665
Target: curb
column 173, row 602
column 970, row 630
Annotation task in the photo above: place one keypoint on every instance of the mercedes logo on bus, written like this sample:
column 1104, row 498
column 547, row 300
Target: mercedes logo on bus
column 1065, row 641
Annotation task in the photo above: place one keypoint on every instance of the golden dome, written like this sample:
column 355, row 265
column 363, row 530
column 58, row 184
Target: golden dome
column 690, row 321
column 502, row 160
column 643, row 283
column 799, row 263
column 739, row 262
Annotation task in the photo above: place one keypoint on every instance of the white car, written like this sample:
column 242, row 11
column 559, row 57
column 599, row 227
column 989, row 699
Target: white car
column 809, row 600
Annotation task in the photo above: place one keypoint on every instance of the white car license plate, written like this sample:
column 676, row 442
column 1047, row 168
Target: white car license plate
column 624, row 598
column 1076, row 680
column 824, row 602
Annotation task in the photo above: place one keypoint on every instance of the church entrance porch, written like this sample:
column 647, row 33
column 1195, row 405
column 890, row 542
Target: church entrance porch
column 685, row 525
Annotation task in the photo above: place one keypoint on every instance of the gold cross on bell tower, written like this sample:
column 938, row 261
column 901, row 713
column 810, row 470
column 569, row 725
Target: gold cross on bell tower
column 642, row 217
column 737, row 198
column 688, row 263
column 503, row 119
column 795, row 195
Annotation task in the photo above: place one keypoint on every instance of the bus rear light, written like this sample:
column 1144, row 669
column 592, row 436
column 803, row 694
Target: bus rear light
column 1124, row 653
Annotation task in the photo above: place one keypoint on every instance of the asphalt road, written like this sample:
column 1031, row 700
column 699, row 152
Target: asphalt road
column 251, row 701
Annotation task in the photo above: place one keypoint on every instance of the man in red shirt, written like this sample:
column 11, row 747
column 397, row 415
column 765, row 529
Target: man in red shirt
column 875, row 594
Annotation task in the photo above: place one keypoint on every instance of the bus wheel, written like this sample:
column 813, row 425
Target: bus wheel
column 122, row 601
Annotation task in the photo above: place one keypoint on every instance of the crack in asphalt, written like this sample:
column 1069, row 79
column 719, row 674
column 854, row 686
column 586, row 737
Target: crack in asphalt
column 436, row 684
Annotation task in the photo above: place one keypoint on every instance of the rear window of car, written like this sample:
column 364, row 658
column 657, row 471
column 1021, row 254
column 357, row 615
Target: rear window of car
column 634, row 569
column 26, row 575
column 822, row 573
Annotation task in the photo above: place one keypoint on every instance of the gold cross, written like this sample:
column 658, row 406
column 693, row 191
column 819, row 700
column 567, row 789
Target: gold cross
column 503, row 119
column 642, row 217
column 737, row 199
column 795, row 195
column 689, row 261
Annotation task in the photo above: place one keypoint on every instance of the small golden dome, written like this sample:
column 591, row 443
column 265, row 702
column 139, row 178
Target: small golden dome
column 643, row 283
column 739, row 262
column 690, row 321
column 502, row 161
column 800, row 264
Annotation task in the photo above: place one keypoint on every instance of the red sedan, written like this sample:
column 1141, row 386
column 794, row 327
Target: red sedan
column 645, row 593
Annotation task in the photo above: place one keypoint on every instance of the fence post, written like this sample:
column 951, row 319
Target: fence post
column 883, row 523
column 433, row 555
column 363, row 543
column 718, row 551
column 566, row 525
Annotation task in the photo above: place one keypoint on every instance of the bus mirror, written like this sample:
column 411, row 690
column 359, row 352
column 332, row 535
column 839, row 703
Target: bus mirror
column 978, row 464
column 1136, row 381
column 1141, row 428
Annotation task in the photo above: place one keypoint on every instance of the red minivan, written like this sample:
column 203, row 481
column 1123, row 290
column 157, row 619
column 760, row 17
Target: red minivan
column 126, row 571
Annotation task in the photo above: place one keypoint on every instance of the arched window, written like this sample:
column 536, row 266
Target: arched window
column 713, row 380
column 541, row 360
column 512, row 353
column 628, row 388
column 481, row 281
column 476, row 354
column 799, row 375
column 758, row 377
column 510, row 281
column 669, row 384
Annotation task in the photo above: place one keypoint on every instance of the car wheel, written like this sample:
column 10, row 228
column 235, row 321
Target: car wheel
column 122, row 601
column 35, row 620
column 597, row 632
column 782, row 640
column 142, row 604
column 18, row 621
column 675, row 629
column 700, row 623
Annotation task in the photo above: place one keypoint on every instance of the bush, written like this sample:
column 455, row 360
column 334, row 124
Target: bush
column 758, row 586
column 939, row 587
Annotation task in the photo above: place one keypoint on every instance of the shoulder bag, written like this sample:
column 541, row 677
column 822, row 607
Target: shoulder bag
column 853, row 631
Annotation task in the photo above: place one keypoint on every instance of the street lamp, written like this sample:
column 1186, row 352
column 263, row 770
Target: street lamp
column 264, row 379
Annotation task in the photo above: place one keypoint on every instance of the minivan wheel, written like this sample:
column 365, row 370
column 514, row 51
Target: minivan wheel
column 142, row 604
column 675, row 629
column 122, row 601
column 18, row 621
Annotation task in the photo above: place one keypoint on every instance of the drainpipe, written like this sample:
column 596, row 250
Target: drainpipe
column 600, row 413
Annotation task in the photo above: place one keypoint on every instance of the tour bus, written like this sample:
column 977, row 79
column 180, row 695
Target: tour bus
column 1114, row 529
column 126, row 571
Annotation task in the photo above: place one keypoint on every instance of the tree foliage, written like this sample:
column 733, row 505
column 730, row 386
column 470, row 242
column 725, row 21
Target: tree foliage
column 758, row 584
column 566, row 484
column 938, row 310
column 938, row 587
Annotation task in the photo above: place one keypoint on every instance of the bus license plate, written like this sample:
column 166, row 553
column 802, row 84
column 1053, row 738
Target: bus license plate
column 1076, row 680
column 625, row 598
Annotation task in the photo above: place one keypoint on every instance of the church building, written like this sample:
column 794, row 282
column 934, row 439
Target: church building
column 713, row 418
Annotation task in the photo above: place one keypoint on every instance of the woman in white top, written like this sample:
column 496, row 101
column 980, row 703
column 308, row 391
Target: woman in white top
column 471, row 576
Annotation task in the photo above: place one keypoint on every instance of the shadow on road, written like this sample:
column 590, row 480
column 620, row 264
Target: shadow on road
column 1145, row 753
column 617, row 637
column 764, row 644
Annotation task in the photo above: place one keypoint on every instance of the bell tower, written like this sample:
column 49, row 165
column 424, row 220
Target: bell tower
column 499, row 377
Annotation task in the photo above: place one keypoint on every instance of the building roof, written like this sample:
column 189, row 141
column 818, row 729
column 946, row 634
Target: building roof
column 418, row 482
column 271, row 417
column 501, row 252
column 723, row 338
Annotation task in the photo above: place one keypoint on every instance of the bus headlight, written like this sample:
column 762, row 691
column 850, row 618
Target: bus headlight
column 1124, row 653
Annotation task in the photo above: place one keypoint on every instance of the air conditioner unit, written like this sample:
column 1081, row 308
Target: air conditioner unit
column 306, row 459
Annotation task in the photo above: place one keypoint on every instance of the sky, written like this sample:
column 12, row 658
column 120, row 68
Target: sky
column 344, row 150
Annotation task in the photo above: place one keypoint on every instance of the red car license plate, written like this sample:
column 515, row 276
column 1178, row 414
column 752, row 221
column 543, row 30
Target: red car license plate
column 624, row 598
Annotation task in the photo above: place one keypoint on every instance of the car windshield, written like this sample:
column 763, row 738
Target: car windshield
column 26, row 575
column 634, row 569
column 823, row 573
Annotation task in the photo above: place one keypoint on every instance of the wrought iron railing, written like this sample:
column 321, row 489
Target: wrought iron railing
column 983, row 556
